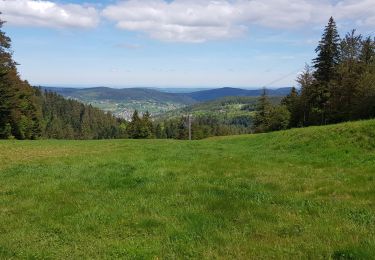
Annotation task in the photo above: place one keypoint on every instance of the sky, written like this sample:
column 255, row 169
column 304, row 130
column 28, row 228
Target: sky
column 179, row 43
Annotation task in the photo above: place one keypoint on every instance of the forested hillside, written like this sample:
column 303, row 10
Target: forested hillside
column 69, row 119
column 30, row 113
column 212, row 94
column 226, row 106
column 224, row 116
column 122, row 95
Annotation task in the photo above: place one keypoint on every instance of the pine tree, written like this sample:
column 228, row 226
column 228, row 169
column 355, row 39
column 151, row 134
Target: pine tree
column 367, row 55
column 365, row 100
column 306, row 81
column 85, row 130
column 138, row 128
column 293, row 104
column 348, row 77
column 262, row 115
column 325, row 74
column 182, row 129
column 147, row 126
column 159, row 133
column 351, row 47
column 328, row 53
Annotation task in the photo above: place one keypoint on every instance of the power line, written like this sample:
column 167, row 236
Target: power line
column 370, row 34
column 281, row 78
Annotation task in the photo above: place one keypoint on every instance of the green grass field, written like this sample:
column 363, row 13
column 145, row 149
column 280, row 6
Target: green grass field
column 304, row 193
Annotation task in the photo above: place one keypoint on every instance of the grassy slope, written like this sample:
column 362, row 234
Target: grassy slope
column 299, row 193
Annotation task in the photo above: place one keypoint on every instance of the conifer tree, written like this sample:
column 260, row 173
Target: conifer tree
column 293, row 104
column 325, row 73
column 306, row 81
column 367, row 55
column 134, row 126
column 348, row 79
column 159, row 133
column 147, row 127
column 328, row 52
column 262, row 115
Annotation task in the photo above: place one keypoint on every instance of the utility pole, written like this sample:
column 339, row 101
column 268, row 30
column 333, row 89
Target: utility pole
column 189, row 123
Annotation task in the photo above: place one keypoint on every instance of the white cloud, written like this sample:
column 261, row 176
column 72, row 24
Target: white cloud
column 48, row 14
column 191, row 20
column 186, row 21
column 202, row 20
column 360, row 11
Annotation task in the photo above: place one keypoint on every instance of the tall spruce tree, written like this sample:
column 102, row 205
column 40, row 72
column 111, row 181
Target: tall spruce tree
column 328, row 52
column 325, row 73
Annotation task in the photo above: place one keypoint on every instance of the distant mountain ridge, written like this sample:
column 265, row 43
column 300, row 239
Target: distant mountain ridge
column 139, row 94
column 122, row 95
column 212, row 94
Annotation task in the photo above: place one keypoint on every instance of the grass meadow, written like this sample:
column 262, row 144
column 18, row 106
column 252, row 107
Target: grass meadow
column 296, row 194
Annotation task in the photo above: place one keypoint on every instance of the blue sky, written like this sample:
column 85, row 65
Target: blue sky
column 178, row 43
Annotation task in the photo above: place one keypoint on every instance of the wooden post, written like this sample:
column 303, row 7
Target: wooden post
column 189, row 122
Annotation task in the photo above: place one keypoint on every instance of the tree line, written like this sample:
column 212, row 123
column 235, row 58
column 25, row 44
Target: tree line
column 202, row 126
column 338, row 87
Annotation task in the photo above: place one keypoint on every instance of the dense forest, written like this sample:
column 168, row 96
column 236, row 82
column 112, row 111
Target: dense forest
column 30, row 113
column 69, row 119
column 338, row 87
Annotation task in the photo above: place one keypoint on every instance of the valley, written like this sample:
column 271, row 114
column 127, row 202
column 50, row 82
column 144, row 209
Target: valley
column 159, row 102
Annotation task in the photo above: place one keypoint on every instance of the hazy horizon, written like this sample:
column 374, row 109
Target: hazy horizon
column 159, row 87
